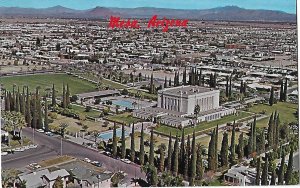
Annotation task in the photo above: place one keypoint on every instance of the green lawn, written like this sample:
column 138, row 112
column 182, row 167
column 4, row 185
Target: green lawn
column 145, row 95
column 201, row 126
column 123, row 118
column 104, row 82
column 286, row 112
column 80, row 109
column 45, row 81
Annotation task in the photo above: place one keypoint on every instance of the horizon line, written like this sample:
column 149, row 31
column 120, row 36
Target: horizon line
column 146, row 7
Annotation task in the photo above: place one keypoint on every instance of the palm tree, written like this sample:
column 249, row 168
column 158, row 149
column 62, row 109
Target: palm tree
column 96, row 135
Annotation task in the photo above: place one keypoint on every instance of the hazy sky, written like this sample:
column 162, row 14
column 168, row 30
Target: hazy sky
column 283, row 5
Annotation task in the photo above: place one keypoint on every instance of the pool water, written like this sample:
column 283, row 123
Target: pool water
column 123, row 103
column 109, row 135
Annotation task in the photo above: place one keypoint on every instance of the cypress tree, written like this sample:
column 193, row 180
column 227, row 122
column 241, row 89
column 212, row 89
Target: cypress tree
column 250, row 142
column 142, row 150
column 188, row 153
column 273, row 178
column 67, row 96
column 224, row 150
column 182, row 152
column 169, row 160
column 277, row 128
column 28, row 107
column 17, row 104
column 193, row 161
column 281, row 171
column 241, row 146
column 114, row 149
column 258, row 172
column 64, row 102
column 186, row 165
column 7, row 102
column 184, row 77
column 199, row 164
column 216, row 146
column 40, row 114
column 170, row 82
column 270, row 131
column 215, row 80
column 175, row 157
column 211, row 152
column 23, row 102
column 46, row 123
column 166, row 83
column 289, row 170
column 123, row 147
column 151, row 155
column 230, row 87
column 151, row 84
column 232, row 146
column 285, row 90
column 153, row 179
column 175, row 79
column 34, row 114
column 254, row 134
column 162, row 151
column 132, row 146
column 227, row 87
column 281, row 98
column 271, row 99
column 241, row 87
column 53, row 96
column 264, row 176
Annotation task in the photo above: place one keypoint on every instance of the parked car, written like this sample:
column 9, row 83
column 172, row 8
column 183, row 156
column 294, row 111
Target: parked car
column 40, row 130
column 4, row 153
column 87, row 160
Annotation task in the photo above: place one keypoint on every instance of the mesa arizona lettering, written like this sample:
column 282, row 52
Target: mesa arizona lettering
column 117, row 22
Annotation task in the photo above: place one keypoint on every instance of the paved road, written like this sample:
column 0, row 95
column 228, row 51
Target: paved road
column 50, row 146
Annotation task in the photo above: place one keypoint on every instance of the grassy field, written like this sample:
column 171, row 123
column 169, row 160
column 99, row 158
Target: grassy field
column 145, row 95
column 286, row 112
column 201, row 126
column 45, row 81
column 123, row 118
column 74, row 124
column 80, row 109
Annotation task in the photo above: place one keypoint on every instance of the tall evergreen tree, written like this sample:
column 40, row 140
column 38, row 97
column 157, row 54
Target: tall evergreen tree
column 211, row 152
column 182, row 152
column 270, row 135
column 251, row 140
column 28, row 109
column 151, row 155
column 289, row 170
column 277, row 128
column 224, row 150
column 40, row 114
column 132, row 146
column 68, row 96
column 281, row 171
column 142, row 150
column 227, row 87
column 34, row 114
column 151, row 84
column 114, row 148
column 258, row 172
column 271, row 99
column 232, row 145
column 241, row 146
column 170, row 82
column 242, row 87
column 216, row 146
column 281, row 98
column 46, row 122
column 123, row 147
column 230, row 87
column 175, row 157
column 53, row 96
column 193, row 161
column 64, row 101
column 264, row 176
column 162, row 151
column 254, row 135
column 169, row 160
column 285, row 90
column 199, row 163
column 273, row 178
column 166, row 83
column 184, row 77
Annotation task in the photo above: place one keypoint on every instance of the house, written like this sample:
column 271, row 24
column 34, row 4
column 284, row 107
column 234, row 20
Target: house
column 240, row 175
column 50, row 178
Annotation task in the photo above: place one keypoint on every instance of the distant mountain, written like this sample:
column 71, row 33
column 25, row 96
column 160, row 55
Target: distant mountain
column 228, row 13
